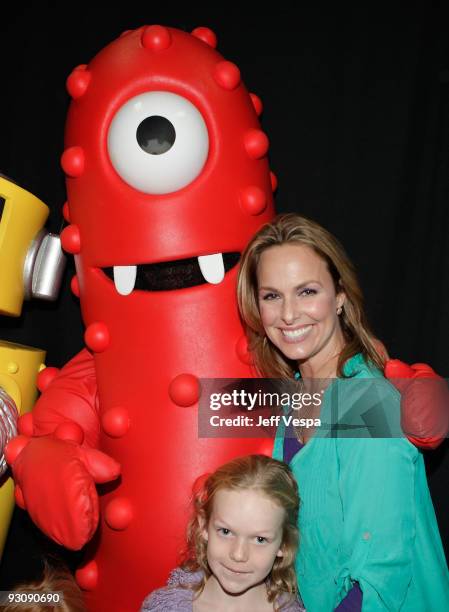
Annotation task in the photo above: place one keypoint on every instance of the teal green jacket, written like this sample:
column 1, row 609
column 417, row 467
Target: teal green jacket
column 366, row 514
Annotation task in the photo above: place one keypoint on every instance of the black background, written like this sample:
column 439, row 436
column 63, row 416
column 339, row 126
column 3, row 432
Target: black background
column 356, row 107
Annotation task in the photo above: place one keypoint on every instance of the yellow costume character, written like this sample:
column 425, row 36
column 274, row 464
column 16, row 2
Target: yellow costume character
column 31, row 265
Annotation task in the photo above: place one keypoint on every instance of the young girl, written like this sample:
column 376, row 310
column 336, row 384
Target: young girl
column 242, row 542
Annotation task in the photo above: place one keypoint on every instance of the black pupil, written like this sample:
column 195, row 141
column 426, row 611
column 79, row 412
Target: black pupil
column 156, row 135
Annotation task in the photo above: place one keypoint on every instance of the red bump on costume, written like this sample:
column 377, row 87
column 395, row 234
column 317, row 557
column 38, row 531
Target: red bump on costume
column 206, row 35
column 257, row 103
column 253, row 200
column 45, row 377
column 227, row 75
column 78, row 82
column 242, row 351
column 75, row 286
column 71, row 239
column 14, row 448
column 66, row 212
column 72, row 161
column 96, row 337
column 125, row 33
column 70, row 431
column 118, row 513
column 115, row 422
column 25, row 424
column 87, row 576
column 256, row 143
column 184, row 390
column 156, row 38
column 274, row 181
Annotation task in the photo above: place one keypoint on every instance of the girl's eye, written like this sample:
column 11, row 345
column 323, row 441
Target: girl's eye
column 224, row 531
column 261, row 540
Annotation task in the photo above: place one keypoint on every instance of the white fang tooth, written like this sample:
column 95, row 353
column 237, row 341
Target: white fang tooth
column 125, row 279
column 212, row 267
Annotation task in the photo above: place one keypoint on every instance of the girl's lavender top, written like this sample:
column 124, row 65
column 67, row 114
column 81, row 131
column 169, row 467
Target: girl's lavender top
column 178, row 597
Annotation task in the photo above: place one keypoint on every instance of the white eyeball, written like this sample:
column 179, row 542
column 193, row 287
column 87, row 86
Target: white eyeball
column 158, row 142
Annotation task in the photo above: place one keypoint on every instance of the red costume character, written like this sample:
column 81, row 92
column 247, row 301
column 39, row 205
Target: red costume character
column 167, row 181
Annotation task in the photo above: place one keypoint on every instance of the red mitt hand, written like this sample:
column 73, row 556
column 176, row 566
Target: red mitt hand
column 424, row 403
column 55, row 481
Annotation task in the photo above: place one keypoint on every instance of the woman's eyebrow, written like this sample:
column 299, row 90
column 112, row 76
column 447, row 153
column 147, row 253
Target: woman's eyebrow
column 300, row 286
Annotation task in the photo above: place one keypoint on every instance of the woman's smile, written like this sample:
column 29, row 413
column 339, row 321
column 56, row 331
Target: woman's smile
column 297, row 334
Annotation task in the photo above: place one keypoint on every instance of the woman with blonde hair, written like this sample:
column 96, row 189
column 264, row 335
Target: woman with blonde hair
column 369, row 537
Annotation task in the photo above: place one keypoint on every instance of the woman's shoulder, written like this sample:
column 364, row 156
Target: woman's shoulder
column 363, row 403
column 177, row 595
column 358, row 366
column 359, row 373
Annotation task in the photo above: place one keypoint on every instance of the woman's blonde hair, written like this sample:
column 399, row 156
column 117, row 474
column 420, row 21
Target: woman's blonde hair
column 275, row 481
column 294, row 229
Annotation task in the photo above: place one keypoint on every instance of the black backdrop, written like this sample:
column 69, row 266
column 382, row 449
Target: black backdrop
column 356, row 108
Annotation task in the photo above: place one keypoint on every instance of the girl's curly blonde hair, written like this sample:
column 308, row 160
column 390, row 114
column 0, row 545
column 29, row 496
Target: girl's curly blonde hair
column 274, row 480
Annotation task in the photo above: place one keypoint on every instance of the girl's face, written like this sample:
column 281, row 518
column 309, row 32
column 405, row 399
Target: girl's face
column 244, row 538
column 298, row 304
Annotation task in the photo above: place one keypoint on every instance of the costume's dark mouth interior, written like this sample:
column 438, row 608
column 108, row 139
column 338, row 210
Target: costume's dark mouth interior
column 169, row 275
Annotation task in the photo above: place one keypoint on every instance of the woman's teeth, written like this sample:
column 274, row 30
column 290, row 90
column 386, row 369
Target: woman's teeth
column 296, row 333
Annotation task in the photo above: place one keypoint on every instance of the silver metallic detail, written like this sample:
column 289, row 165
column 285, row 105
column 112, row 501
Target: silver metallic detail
column 44, row 267
column 48, row 269
column 8, row 425
column 30, row 260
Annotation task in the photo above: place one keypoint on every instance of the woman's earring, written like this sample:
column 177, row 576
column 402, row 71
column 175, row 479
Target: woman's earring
column 339, row 310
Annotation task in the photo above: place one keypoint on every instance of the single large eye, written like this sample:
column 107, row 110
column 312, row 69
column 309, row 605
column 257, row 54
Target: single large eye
column 158, row 142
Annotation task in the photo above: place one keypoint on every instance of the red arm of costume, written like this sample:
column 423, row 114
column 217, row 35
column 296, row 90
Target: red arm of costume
column 55, row 463
column 424, row 403
column 70, row 397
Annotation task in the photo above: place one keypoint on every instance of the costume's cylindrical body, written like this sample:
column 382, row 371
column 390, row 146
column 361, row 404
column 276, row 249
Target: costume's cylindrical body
column 166, row 164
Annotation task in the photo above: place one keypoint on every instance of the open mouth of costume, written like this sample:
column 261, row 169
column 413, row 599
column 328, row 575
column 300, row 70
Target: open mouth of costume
column 170, row 275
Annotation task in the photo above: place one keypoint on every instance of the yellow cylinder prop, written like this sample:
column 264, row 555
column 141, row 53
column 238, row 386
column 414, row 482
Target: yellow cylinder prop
column 19, row 367
column 22, row 216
